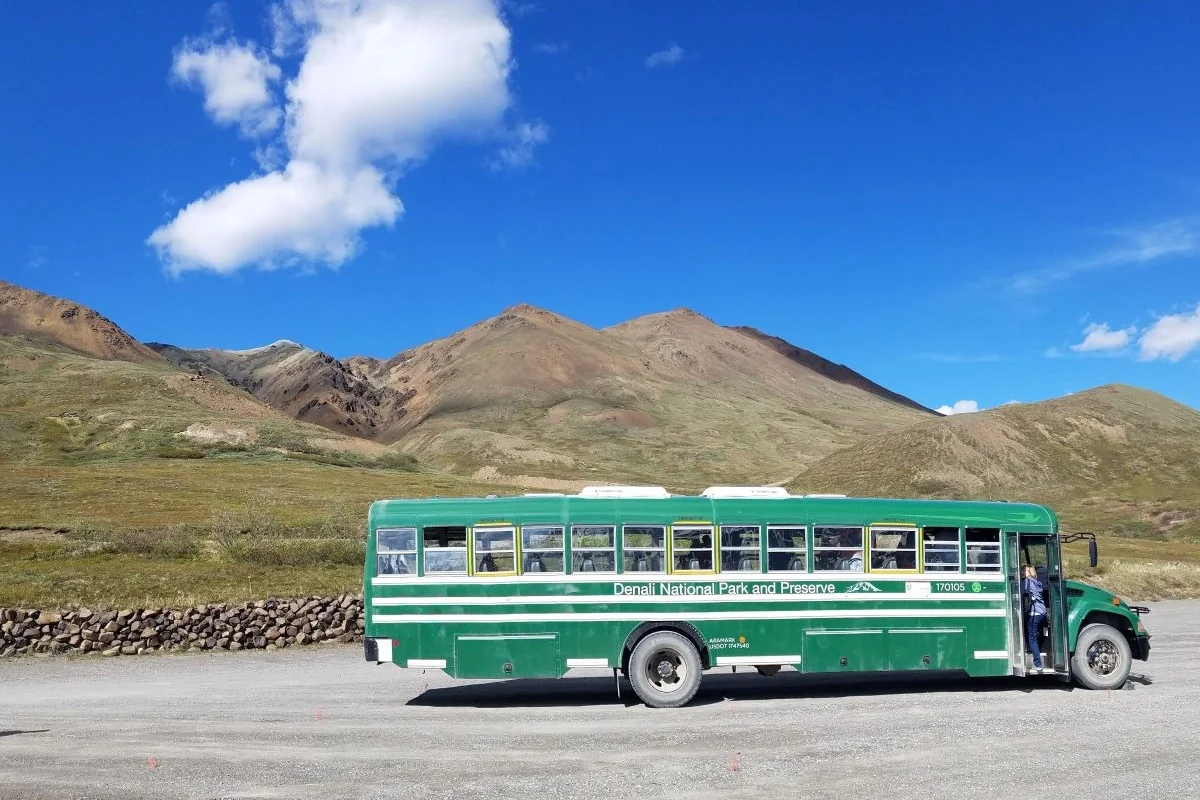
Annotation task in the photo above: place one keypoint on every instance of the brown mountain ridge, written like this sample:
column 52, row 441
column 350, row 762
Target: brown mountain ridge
column 533, row 391
column 30, row 313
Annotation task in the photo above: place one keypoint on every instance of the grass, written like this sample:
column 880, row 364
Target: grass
column 90, row 449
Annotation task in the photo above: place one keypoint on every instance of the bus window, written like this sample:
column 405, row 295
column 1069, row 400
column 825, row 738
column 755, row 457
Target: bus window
column 739, row 548
column 495, row 550
column 941, row 549
column 983, row 549
column 644, row 548
column 396, row 551
column 593, row 548
column 837, row 548
column 542, row 548
column 786, row 548
column 445, row 549
column 692, row 548
column 893, row 549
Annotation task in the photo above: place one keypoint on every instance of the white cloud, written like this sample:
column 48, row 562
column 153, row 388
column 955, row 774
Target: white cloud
column 1100, row 338
column 551, row 48
column 378, row 84
column 960, row 407
column 519, row 151
column 665, row 58
column 1171, row 337
column 308, row 212
column 236, row 80
column 1136, row 246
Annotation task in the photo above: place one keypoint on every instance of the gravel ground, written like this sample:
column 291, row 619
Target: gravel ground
column 321, row 723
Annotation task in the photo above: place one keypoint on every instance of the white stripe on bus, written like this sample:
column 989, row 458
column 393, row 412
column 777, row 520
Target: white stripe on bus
column 427, row 663
column 756, row 661
column 505, row 637
column 654, row 577
column 636, row 616
column 573, row 663
column 543, row 599
column 982, row 654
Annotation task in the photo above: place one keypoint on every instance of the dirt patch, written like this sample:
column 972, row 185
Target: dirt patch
column 215, row 398
column 19, row 363
column 217, row 433
column 349, row 445
column 623, row 417
column 40, row 535
column 490, row 474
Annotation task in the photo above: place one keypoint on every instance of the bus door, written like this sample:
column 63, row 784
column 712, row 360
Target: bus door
column 1012, row 586
column 1043, row 552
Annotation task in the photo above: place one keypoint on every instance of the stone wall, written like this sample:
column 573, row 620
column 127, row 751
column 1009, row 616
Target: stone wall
column 265, row 624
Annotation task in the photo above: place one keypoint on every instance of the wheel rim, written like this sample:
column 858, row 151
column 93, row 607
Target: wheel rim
column 1103, row 658
column 666, row 670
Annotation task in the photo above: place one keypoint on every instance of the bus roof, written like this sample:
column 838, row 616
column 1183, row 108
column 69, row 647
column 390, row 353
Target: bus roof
column 616, row 505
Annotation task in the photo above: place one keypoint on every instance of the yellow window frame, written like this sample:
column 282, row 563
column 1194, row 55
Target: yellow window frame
column 493, row 526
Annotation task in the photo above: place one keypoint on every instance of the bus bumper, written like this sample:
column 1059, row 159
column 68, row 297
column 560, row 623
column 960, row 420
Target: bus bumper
column 1141, row 648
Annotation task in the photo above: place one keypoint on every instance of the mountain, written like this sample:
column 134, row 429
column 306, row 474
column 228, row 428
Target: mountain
column 1114, row 452
column 306, row 384
column 534, row 396
column 29, row 313
column 838, row 372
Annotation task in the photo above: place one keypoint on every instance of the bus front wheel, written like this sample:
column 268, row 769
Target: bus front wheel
column 664, row 669
column 1102, row 657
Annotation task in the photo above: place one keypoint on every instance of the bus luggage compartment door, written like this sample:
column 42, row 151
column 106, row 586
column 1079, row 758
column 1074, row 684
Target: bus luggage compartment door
column 514, row 655
column 845, row 650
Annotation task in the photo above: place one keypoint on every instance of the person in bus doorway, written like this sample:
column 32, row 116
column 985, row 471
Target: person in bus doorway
column 1035, row 613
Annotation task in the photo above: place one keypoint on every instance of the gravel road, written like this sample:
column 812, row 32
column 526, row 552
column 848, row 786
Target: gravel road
column 321, row 723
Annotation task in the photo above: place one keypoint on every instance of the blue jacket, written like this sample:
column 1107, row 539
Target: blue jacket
column 1033, row 587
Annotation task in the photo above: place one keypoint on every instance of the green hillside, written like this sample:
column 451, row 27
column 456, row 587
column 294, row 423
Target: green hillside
column 108, row 498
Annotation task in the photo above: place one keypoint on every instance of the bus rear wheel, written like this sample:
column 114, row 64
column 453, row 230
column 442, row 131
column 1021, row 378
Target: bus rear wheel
column 1102, row 657
column 664, row 669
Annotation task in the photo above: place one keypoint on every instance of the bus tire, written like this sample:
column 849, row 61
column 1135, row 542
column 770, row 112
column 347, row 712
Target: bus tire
column 664, row 669
column 1102, row 657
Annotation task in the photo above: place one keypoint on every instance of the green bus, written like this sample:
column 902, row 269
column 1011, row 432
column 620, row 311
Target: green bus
column 661, row 587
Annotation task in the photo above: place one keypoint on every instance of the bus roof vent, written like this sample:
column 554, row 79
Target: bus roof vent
column 824, row 495
column 656, row 492
column 745, row 491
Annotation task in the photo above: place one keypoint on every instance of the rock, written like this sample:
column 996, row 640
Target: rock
column 106, row 637
column 114, row 651
column 302, row 638
column 235, row 646
column 129, row 650
column 112, row 627
column 83, row 614
column 346, row 638
column 148, row 632
column 49, row 618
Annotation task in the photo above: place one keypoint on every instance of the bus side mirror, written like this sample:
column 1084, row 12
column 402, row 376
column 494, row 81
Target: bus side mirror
column 1092, row 556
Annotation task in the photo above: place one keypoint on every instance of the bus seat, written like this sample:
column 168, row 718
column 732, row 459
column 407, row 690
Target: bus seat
column 587, row 565
column 745, row 565
column 694, row 563
column 656, row 563
column 533, row 564
column 640, row 565
column 796, row 564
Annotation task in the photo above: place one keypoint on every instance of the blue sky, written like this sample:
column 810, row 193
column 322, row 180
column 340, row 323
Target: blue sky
column 965, row 203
